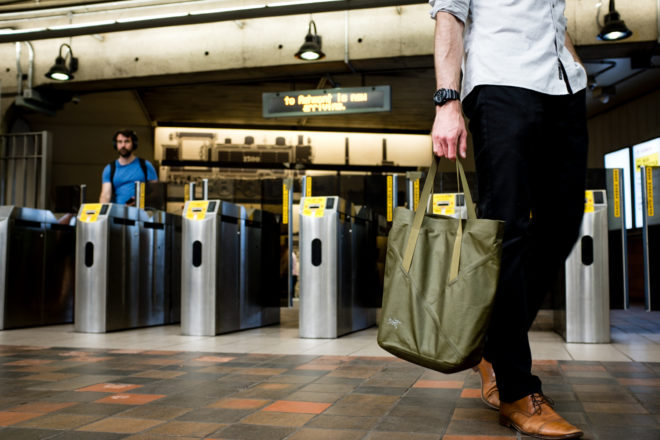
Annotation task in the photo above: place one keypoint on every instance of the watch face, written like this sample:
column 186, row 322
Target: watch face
column 441, row 96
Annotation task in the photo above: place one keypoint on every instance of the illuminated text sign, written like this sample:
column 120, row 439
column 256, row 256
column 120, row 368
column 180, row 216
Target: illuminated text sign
column 327, row 101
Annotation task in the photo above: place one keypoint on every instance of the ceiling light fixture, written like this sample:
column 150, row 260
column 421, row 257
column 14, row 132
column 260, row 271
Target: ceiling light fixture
column 60, row 71
column 614, row 29
column 311, row 48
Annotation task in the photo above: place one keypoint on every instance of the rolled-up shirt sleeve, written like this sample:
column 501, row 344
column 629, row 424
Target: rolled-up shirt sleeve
column 457, row 8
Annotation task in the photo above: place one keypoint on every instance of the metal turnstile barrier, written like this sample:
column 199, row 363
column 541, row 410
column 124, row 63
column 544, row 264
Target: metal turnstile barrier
column 585, row 316
column 333, row 241
column 366, row 290
column 226, row 264
column 617, row 239
column 126, row 268
column 651, row 236
column 36, row 268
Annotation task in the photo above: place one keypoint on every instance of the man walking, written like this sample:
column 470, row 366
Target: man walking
column 523, row 90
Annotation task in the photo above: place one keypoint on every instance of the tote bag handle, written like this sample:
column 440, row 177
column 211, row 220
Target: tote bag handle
column 419, row 216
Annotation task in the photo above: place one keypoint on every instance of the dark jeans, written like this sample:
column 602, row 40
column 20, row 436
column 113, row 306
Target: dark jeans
column 530, row 154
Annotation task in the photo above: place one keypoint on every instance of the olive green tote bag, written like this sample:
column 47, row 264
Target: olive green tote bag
column 440, row 279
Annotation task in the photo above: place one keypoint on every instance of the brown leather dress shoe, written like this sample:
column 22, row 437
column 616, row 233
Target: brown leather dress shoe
column 533, row 416
column 489, row 392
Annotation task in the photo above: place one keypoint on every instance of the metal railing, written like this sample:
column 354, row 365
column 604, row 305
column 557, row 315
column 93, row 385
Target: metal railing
column 25, row 164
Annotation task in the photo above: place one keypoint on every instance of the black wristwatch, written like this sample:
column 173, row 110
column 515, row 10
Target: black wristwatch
column 441, row 96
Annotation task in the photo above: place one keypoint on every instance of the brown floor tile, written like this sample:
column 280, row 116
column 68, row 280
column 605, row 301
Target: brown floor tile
column 28, row 362
column 162, row 362
column 343, row 422
column 438, row 384
column 124, row 351
column 214, row 359
column 131, row 399
column 150, row 436
column 11, row 418
column 318, row 366
column 263, row 371
column 159, row 374
column 60, row 421
column 308, row 396
column 328, row 388
column 579, row 367
column 473, row 414
column 290, row 406
column 363, row 405
column 354, row 372
column 161, row 352
column 90, row 408
column 120, row 425
column 242, row 431
column 382, row 435
column 89, row 359
column 615, row 408
column 212, row 415
column 49, row 376
column 471, row 393
column 194, row 429
column 628, row 382
column 326, row 434
column 277, row 419
column 233, row 403
column 158, row 412
column 42, row 407
column 479, row 427
column 479, row 437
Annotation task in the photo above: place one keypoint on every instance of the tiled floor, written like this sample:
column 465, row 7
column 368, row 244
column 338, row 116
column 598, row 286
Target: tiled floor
column 269, row 384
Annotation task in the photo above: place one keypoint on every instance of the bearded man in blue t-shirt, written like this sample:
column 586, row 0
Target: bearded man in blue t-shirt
column 120, row 176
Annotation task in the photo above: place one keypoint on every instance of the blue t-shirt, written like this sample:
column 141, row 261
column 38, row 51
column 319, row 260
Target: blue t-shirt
column 125, row 178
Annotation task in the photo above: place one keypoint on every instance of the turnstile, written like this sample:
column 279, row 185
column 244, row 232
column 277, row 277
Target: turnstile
column 36, row 268
column 585, row 315
column 651, row 236
column 127, row 268
column 230, row 268
column 617, row 239
column 332, row 242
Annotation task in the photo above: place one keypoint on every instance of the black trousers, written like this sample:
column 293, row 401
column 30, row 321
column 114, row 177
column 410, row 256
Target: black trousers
column 530, row 154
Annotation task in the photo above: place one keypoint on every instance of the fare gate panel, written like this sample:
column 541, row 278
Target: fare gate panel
column 126, row 275
column 335, row 275
column 651, row 236
column 585, row 316
column 36, row 268
column 228, row 268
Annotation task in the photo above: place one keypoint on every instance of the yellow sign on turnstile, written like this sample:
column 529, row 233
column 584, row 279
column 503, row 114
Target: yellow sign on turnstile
column 89, row 212
column 444, row 204
column 308, row 186
column 649, row 191
column 197, row 209
column 390, row 194
column 313, row 207
column 617, row 189
column 415, row 194
column 143, row 188
column 588, row 201
column 285, row 204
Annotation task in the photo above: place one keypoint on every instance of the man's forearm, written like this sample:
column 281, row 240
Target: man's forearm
column 569, row 45
column 448, row 52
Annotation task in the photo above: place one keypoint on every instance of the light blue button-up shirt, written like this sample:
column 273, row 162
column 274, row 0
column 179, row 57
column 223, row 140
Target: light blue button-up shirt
column 516, row 43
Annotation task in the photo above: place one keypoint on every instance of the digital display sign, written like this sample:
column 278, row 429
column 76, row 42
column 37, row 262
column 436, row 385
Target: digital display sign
column 320, row 102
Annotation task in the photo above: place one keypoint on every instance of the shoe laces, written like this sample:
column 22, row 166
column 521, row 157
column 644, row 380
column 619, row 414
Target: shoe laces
column 538, row 399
